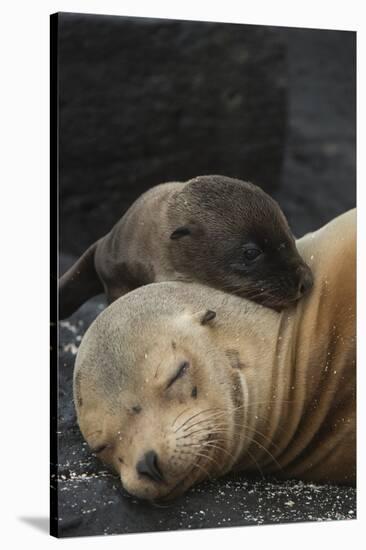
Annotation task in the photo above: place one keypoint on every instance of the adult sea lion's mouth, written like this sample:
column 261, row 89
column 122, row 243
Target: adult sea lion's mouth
column 185, row 483
column 177, row 489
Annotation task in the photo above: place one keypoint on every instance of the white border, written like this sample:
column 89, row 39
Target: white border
column 24, row 264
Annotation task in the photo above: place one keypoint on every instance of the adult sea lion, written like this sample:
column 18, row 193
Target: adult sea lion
column 176, row 382
column 215, row 230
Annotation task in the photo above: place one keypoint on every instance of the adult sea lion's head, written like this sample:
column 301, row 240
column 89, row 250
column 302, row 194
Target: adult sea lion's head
column 152, row 391
column 231, row 235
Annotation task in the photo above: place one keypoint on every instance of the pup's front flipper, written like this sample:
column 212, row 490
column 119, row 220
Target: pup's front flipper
column 79, row 283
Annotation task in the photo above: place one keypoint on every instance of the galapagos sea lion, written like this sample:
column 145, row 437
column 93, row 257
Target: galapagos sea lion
column 176, row 382
column 214, row 230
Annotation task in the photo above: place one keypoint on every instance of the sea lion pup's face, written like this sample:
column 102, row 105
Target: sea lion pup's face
column 155, row 412
column 231, row 235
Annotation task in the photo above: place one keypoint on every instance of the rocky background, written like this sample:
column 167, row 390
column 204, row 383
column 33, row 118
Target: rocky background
column 146, row 101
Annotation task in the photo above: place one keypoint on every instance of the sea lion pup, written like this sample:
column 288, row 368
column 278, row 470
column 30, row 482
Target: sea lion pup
column 176, row 382
column 215, row 230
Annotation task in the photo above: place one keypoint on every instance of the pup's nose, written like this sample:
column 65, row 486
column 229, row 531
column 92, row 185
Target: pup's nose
column 148, row 466
column 306, row 280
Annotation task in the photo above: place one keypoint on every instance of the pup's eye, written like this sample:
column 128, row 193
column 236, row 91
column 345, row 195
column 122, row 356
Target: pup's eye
column 180, row 232
column 251, row 253
column 180, row 372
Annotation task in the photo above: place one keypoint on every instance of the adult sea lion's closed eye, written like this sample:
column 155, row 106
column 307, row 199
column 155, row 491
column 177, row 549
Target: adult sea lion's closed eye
column 183, row 367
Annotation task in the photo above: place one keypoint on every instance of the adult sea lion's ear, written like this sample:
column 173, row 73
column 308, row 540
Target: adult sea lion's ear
column 205, row 317
column 180, row 232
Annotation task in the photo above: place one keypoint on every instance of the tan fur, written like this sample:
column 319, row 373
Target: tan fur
column 275, row 391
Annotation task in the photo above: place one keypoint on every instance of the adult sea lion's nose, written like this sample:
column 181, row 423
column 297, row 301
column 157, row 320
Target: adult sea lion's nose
column 149, row 467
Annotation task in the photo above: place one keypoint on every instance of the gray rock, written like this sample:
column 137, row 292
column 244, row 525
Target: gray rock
column 144, row 101
column 319, row 175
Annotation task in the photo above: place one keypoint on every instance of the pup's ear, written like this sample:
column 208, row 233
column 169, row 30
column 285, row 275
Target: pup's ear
column 180, row 232
column 205, row 317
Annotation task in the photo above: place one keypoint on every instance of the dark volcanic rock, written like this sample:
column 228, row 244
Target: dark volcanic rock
column 144, row 101
column 319, row 176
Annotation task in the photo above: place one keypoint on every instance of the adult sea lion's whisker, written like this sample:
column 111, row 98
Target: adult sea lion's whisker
column 219, row 448
column 211, row 418
column 246, row 437
column 206, row 430
column 256, row 463
column 197, row 465
column 179, row 415
column 268, row 452
column 208, row 443
column 247, row 427
column 225, row 428
column 194, row 416
column 203, row 455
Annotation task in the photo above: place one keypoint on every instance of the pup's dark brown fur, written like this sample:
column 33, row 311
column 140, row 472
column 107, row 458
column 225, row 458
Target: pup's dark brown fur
column 216, row 230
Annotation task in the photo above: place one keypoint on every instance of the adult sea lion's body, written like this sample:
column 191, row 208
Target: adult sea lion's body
column 215, row 230
column 170, row 393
